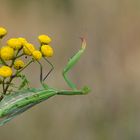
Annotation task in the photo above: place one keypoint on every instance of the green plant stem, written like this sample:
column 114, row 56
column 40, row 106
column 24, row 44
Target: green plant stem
column 3, row 62
column 24, row 67
column 13, row 60
column 15, row 75
column 20, row 55
column 3, row 82
column 0, row 42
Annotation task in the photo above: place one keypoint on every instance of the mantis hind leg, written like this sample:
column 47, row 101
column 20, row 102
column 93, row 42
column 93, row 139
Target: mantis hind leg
column 72, row 61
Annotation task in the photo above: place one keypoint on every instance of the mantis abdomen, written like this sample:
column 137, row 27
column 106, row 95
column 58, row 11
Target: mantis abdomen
column 18, row 103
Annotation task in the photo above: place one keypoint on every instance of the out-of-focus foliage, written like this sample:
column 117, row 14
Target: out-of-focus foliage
column 59, row 5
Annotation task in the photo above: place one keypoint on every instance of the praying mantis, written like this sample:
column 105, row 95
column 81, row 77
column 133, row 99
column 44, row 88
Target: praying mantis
column 15, row 104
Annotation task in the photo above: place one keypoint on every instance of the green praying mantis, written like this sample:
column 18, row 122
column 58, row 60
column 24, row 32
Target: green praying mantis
column 15, row 104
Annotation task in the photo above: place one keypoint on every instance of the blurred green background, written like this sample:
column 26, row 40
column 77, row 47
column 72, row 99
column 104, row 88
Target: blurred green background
column 110, row 66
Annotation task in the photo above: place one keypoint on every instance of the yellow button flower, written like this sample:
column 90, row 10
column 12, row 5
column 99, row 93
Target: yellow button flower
column 14, row 43
column 44, row 39
column 37, row 55
column 47, row 50
column 22, row 40
column 28, row 48
column 7, row 53
column 5, row 71
column 18, row 64
column 3, row 32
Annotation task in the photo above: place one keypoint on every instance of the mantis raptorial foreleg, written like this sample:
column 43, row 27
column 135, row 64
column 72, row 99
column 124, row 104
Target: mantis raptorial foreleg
column 68, row 67
column 72, row 61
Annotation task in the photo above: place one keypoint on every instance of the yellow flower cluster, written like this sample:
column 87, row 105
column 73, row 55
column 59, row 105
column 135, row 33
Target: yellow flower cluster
column 22, row 40
column 37, row 55
column 18, row 64
column 3, row 32
column 5, row 71
column 44, row 39
column 28, row 48
column 47, row 50
column 7, row 53
column 18, row 47
column 14, row 43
